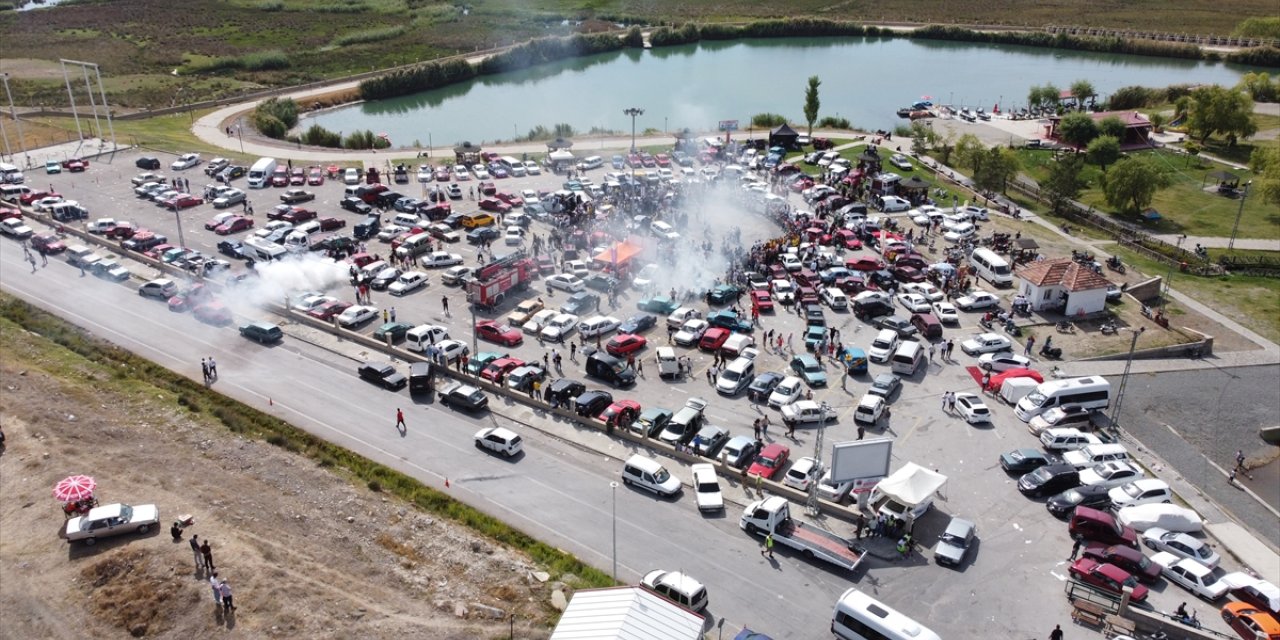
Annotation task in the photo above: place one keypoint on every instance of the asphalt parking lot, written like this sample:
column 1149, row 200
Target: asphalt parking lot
column 1018, row 540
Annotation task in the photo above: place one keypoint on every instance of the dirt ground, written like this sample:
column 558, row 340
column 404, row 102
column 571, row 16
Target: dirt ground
column 308, row 554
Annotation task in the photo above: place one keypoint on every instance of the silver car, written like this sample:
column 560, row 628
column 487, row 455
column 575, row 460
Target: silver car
column 112, row 520
column 955, row 541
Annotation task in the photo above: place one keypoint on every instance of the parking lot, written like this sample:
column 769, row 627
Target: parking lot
column 1018, row 540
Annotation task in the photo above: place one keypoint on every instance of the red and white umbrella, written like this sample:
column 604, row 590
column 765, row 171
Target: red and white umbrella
column 74, row 488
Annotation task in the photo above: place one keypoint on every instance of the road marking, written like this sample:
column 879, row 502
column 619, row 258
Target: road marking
column 903, row 438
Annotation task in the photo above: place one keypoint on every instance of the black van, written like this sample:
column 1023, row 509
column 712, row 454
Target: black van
column 420, row 374
column 369, row 228
column 563, row 391
column 613, row 370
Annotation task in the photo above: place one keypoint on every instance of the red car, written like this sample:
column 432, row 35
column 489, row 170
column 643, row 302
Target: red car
column 155, row 252
column 800, row 184
column 122, row 231
column 75, row 164
column 903, row 273
column 1108, row 577
column 488, row 188
column 769, row 461
column 807, row 295
column 184, row 301
column 291, row 214
column 234, row 225
column 624, row 343
column 213, row 312
column 280, row 177
column 48, row 242
column 328, row 310
column 298, row 177
column 8, row 212
column 315, row 176
column 621, row 413
column 864, row 264
column 183, row 201
column 329, row 224
column 442, row 174
column 761, row 300
column 28, row 198
column 713, row 339
column 360, row 260
column 498, row 369
column 1127, row 558
column 511, row 200
column 495, row 205
column 499, row 333
column 848, row 239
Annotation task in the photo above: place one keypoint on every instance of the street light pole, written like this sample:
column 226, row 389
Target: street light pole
column 1124, row 379
column 1231, row 244
column 633, row 112
column 614, row 487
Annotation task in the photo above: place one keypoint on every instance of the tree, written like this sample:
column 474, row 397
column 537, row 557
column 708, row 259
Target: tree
column 1158, row 120
column 968, row 151
column 1259, row 86
column 811, row 102
column 1112, row 126
column 1215, row 109
column 1132, row 183
column 994, row 169
column 1077, row 129
column 1265, row 162
column 1063, row 183
column 1082, row 90
column 1103, row 151
column 634, row 38
column 945, row 145
column 922, row 138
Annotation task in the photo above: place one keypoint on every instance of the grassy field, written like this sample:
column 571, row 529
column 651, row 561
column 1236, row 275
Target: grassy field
column 1190, row 205
column 213, row 48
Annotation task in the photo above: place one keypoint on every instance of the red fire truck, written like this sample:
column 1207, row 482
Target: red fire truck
column 494, row 280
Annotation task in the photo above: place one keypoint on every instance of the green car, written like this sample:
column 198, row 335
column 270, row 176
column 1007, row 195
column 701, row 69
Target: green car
column 394, row 329
column 658, row 304
column 724, row 294
column 481, row 360
column 813, row 334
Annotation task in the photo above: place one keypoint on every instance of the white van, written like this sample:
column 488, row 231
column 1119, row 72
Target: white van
column 736, row 376
column 68, row 210
column 11, row 192
column 423, row 336
column 858, row 616
column 991, row 267
column 11, row 174
column 1090, row 393
column 650, row 476
column 415, row 245
column 260, row 173
column 591, row 162
column 263, row 250
column 667, row 363
column 299, row 239
column 907, row 358
column 406, row 220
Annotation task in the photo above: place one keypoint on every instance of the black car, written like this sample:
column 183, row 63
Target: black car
column 563, row 391
column 382, row 374
column 1048, row 480
column 465, row 396
column 1065, row 503
column 871, row 309
column 481, row 234
column 232, row 172
column 580, row 303
column 885, row 385
column 813, row 315
column 231, row 249
column 408, row 205
column 762, row 387
column 724, row 294
column 454, row 220
column 637, row 323
column 356, row 205
column 899, row 324
column 600, row 282
column 147, row 162
column 881, row 278
column 1026, row 460
column 384, row 279
column 591, row 403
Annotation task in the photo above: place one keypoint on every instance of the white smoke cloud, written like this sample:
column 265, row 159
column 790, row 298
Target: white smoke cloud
column 278, row 279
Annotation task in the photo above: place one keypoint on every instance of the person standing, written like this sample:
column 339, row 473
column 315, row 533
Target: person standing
column 1239, row 460
column 217, row 590
column 204, row 368
column 195, row 551
column 1056, row 634
column 1031, row 342
column 400, row 420
column 861, row 432
column 224, row 590
column 207, row 553
column 213, row 368
column 1075, row 548
column 768, row 546
column 444, row 302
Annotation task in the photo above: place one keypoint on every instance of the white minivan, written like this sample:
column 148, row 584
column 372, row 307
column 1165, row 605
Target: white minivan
column 907, row 358
column 991, row 267
column 260, row 173
column 649, row 475
column 858, row 616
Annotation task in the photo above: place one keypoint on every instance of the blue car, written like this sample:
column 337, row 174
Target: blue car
column 618, row 163
column 729, row 320
column 658, row 304
column 813, row 334
column 854, row 359
column 638, row 323
column 807, row 367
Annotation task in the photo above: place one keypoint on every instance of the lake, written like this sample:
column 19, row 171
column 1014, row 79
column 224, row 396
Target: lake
column 863, row 79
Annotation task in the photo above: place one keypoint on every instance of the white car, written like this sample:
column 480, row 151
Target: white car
column 1112, row 473
column 926, row 215
column 834, row 298
column 577, row 268
column 691, row 332
column 786, row 392
column 228, row 198
column 351, row 176
column 664, row 230
column 1181, row 545
column 532, row 168
column 706, row 488
column 1190, row 575
column 452, row 349
column 46, row 204
column 791, row 262
column 357, row 314
column 275, row 228
column 456, row 275
column 185, row 161
column 890, row 204
column 529, row 196
column 566, row 282
column 460, row 172
column 560, row 327
column 783, row 292
column 974, row 212
column 681, row 316
column 914, row 302
column 986, row 343
column 930, row 292
column 479, row 171
column 977, row 300
column 1003, row 361
column 866, row 297
column 900, row 161
column 13, row 227
column 534, row 325
column 883, row 346
column 112, row 520
column 500, row 440
column 390, row 232
column 833, row 491
column 960, row 233
column 644, row 278
column 310, row 301
column 972, row 409
column 514, row 236
column 1169, row 517
column 802, row 472
column 443, row 232
column 597, row 326
column 439, row 259
column 1145, row 491
column 946, row 313
column 408, row 283
column 425, row 173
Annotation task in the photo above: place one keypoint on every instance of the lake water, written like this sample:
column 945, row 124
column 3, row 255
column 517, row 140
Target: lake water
column 863, row 79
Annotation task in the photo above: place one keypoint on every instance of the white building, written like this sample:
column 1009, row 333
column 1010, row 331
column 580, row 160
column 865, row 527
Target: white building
column 1048, row 283
column 626, row 613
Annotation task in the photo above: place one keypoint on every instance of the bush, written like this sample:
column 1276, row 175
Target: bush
column 634, row 38
column 269, row 125
column 319, row 136
column 420, row 78
column 1258, row 28
column 1256, row 57
column 764, row 120
column 264, row 61
column 369, row 35
column 364, row 140
column 831, row 122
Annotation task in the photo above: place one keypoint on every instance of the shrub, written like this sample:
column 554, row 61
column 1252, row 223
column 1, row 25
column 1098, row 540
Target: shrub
column 420, row 78
column 1268, row 27
column 831, row 122
column 1256, row 57
column 364, row 140
column 269, row 125
column 264, row 61
column 767, row 120
column 319, row 136
column 369, row 35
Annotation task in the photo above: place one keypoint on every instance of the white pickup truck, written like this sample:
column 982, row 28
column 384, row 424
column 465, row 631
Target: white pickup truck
column 773, row 515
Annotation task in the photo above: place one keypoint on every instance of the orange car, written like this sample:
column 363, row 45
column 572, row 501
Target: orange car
column 1250, row 622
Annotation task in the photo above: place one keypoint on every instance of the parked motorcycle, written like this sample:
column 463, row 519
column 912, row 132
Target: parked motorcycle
column 1109, row 328
column 1051, row 352
column 1012, row 328
column 986, row 324
column 1066, row 327
column 1114, row 264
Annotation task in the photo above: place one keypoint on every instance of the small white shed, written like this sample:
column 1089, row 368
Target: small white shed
column 626, row 613
column 1049, row 283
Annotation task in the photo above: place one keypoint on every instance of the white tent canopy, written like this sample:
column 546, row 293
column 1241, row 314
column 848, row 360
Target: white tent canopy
column 560, row 156
column 626, row 613
column 912, row 484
